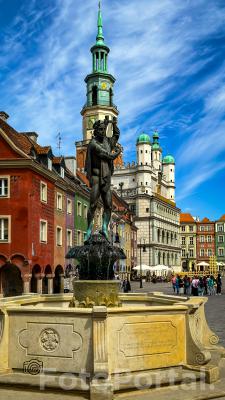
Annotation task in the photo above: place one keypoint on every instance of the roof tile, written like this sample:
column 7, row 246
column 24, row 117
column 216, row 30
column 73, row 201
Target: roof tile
column 23, row 141
column 186, row 217
column 205, row 220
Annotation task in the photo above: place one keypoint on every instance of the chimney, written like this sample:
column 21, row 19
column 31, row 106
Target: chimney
column 3, row 115
column 32, row 135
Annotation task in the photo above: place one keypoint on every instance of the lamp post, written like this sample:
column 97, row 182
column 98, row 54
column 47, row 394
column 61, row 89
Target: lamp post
column 117, row 237
column 144, row 250
column 121, row 188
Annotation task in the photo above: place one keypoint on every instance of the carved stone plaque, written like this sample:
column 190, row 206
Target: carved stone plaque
column 55, row 340
column 147, row 338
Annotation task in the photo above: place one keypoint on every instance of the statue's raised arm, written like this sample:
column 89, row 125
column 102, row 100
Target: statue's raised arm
column 116, row 133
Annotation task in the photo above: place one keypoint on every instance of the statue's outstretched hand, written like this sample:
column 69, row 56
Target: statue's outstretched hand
column 118, row 149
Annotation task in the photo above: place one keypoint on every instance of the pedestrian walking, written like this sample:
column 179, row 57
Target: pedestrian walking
column 126, row 286
column 178, row 283
column 211, row 288
column 174, row 283
column 187, row 284
column 218, row 284
column 205, row 285
column 194, row 286
column 201, row 286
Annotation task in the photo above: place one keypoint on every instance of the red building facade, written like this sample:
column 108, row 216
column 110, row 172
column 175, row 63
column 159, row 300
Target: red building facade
column 205, row 240
column 32, row 250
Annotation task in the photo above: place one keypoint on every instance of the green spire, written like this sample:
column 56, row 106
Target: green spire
column 156, row 145
column 100, row 37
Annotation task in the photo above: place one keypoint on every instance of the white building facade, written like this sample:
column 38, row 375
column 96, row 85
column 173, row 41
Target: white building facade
column 148, row 186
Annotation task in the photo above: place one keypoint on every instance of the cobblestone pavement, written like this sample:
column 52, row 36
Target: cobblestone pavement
column 214, row 308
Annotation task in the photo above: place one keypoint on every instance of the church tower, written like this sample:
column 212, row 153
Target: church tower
column 99, row 86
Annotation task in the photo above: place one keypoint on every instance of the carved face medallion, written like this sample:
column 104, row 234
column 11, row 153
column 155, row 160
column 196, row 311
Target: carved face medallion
column 49, row 339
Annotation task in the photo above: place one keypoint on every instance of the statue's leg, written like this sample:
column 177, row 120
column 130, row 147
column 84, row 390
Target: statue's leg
column 94, row 196
column 107, row 202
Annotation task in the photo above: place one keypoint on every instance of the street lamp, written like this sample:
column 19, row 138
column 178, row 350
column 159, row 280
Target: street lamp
column 117, row 237
column 144, row 250
column 121, row 188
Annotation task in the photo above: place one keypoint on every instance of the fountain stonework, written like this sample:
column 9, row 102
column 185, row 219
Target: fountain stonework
column 98, row 341
column 105, row 350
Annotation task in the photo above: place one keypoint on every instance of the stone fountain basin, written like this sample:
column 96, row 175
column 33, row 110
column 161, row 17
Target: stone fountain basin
column 149, row 332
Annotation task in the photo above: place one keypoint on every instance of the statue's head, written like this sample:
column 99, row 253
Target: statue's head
column 99, row 129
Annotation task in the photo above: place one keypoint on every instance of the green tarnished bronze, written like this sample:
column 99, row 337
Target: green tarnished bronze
column 155, row 145
column 100, row 79
column 143, row 138
column 100, row 37
column 168, row 159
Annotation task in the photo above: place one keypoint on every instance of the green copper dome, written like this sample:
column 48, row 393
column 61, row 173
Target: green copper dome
column 143, row 138
column 155, row 135
column 156, row 145
column 168, row 160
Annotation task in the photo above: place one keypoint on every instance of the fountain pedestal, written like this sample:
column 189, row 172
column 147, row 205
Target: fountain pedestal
column 152, row 340
column 95, row 293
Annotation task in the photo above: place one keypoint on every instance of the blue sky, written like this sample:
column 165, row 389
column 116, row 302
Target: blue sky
column 168, row 59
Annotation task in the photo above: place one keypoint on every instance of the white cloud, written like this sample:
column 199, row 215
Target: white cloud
column 206, row 173
column 157, row 50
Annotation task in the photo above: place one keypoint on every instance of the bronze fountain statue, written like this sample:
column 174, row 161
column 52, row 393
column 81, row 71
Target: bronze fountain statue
column 97, row 256
column 101, row 153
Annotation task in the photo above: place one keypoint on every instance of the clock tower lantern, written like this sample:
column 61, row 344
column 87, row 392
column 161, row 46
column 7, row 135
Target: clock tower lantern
column 99, row 84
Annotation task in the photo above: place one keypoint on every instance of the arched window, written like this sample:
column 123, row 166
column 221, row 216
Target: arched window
column 158, row 236
column 94, row 95
column 159, row 258
column 102, row 61
column 167, row 237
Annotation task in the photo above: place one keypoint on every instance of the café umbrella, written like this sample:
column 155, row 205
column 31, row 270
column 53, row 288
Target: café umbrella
column 142, row 267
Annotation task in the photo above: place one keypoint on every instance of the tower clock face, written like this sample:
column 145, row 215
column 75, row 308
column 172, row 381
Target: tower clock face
column 104, row 85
